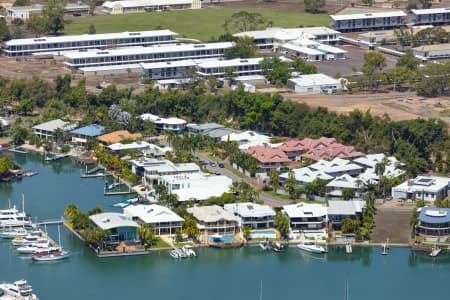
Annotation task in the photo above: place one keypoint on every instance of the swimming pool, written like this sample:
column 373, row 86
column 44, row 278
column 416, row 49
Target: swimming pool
column 345, row 238
column 228, row 238
column 263, row 234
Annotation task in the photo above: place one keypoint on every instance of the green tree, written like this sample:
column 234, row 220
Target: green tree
column 21, row 3
column 244, row 21
column 71, row 211
column 426, row 3
column 146, row 236
column 212, row 82
column 301, row 66
column 91, row 29
column 373, row 61
column 282, row 224
column 434, row 79
column 244, row 48
column 5, row 164
column 230, row 75
column 408, row 61
column 314, row 6
column 274, row 180
column 25, row 106
column 96, row 236
column 290, row 184
column 4, row 30
column 275, row 70
column 54, row 13
column 81, row 221
column 19, row 134
column 348, row 193
column 350, row 225
column 36, row 25
column 246, row 230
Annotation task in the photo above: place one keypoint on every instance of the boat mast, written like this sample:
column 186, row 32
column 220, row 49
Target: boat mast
column 261, row 291
column 59, row 238
column 23, row 203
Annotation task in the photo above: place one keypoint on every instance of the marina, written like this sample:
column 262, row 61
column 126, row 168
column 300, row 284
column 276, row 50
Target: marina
column 243, row 268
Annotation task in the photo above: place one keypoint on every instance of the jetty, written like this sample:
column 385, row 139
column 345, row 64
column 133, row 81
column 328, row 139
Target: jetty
column 49, row 222
column 17, row 150
column 56, row 157
column 94, row 173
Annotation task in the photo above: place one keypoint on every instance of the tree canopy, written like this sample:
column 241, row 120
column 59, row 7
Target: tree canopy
column 244, row 21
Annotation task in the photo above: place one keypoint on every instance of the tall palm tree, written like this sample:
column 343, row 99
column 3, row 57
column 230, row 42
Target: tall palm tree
column 274, row 180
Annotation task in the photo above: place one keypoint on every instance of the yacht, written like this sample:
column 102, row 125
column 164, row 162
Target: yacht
column 13, row 233
column 435, row 251
column 28, row 240
column 35, row 248
column 312, row 247
column 188, row 251
column 12, row 217
column 50, row 255
column 18, row 290
column 177, row 253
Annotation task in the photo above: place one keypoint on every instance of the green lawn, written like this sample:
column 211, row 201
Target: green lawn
column 200, row 24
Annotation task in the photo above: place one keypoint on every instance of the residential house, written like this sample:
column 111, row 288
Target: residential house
column 253, row 215
column 305, row 175
column 118, row 136
column 196, row 186
column 434, row 221
column 119, row 226
column 155, row 169
column 304, row 216
column 337, row 167
column 47, row 130
column 344, row 182
column 160, row 218
column 369, row 162
column 427, row 188
column 246, row 137
column 268, row 158
column 332, row 151
column 82, row 134
column 339, row 210
column 214, row 219
column 144, row 147
column 172, row 124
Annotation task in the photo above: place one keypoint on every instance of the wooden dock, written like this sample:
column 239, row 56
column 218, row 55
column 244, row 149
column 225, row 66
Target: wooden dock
column 17, row 150
column 118, row 193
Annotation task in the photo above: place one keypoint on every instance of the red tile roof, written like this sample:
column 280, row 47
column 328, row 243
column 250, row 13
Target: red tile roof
column 267, row 154
column 335, row 150
column 306, row 144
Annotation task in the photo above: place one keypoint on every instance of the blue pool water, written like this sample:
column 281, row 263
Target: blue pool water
column 229, row 238
column 263, row 234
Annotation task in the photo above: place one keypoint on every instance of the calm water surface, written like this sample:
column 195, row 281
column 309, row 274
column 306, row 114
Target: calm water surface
column 214, row 274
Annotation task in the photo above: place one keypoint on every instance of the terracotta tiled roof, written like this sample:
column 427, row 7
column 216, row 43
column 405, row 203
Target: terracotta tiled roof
column 118, row 136
column 306, row 144
column 267, row 154
column 335, row 150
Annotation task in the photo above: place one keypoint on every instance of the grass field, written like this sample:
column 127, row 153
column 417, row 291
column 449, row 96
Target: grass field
column 203, row 24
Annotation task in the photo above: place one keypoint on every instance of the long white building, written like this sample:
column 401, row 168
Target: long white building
column 167, row 69
column 132, row 6
column 217, row 68
column 74, row 60
column 21, row 47
column 368, row 21
column 311, row 51
column 432, row 16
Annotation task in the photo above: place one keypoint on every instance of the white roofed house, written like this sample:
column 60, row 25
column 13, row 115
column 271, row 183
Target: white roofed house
column 161, row 218
column 339, row 210
column 304, row 216
column 154, row 169
column 196, row 186
column 253, row 215
column 315, row 83
column 246, row 137
column 305, row 175
column 214, row 219
column 337, row 167
column 47, row 130
column 345, row 182
column 172, row 124
column 427, row 188
column 119, row 226
column 368, row 21
column 131, row 6
column 369, row 162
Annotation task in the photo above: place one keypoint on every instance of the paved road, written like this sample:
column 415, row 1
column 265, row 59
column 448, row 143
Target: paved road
column 269, row 200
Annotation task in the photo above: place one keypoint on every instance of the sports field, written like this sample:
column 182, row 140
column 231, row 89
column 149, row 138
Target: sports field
column 202, row 24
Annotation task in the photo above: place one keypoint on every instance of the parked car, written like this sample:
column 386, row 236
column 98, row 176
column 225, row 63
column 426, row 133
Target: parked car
column 221, row 165
column 217, row 172
column 212, row 164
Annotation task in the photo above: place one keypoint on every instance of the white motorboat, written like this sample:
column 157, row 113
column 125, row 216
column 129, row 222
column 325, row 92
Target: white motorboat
column 13, row 233
column 312, row 247
column 28, row 240
column 126, row 203
column 18, row 290
column 35, row 248
column 435, row 251
column 12, row 217
column 177, row 253
column 188, row 251
column 266, row 245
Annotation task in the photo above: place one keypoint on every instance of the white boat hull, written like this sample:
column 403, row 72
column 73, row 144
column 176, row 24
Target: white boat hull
column 51, row 256
column 312, row 248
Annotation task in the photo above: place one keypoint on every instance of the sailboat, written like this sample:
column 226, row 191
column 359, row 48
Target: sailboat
column 435, row 250
column 347, row 294
column 260, row 292
column 51, row 254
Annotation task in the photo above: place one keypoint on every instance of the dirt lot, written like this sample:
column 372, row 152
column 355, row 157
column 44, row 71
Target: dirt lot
column 392, row 221
column 45, row 69
column 399, row 106
column 355, row 59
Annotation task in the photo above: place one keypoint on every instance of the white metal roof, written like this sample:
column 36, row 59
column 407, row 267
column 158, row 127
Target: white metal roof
column 110, row 220
column 344, row 181
column 29, row 8
column 307, row 175
column 144, row 3
column 302, row 49
column 89, row 37
column 110, row 68
column 246, row 137
column 314, row 80
column 148, row 50
column 231, row 62
column 153, row 213
column 168, row 64
column 130, row 146
column 439, row 10
column 424, row 183
column 285, row 34
column 212, row 213
column 396, row 13
column 305, row 210
column 371, row 160
column 335, row 165
column 346, row 208
column 158, row 120
column 330, row 49
column 249, row 209
column 55, row 124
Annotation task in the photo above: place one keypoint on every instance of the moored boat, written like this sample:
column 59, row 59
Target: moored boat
column 13, row 217
column 265, row 245
column 435, row 251
column 188, row 251
column 28, row 240
column 50, row 255
column 312, row 247
column 18, row 290
column 13, row 233
column 36, row 248
column 177, row 253
column 279, row 247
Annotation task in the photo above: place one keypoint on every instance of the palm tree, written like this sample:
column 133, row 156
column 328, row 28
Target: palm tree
column 274, row 180
column 290, row 184
column 379, row 170
column 71, row 211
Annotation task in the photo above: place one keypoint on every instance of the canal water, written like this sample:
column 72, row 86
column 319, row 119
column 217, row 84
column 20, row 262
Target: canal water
column 214, row 274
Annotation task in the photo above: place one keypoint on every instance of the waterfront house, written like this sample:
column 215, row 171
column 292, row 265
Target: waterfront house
column 427, row 188
column 338, row 210
column 118, row 136
column 268, row 158
column 119, row 226
column 337, row 167
column 196, row 186
column 303, row 216
column 214, row 219
column 305, row 175
column 253, row 215
column 46, row 130
column 160, row 218
column 172, row 124
column 434, row 221
column 153, row 169
column 144, row 147
column 82, row 134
